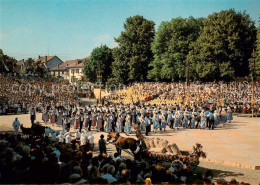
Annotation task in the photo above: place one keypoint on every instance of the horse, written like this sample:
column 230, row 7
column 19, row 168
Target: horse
column 122, row 142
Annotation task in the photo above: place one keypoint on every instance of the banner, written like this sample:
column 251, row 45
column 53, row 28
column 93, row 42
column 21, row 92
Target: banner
column 6, row 68
column 23, row 65
column 45, row 65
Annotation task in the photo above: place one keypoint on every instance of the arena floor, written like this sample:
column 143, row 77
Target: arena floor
column 232, row 151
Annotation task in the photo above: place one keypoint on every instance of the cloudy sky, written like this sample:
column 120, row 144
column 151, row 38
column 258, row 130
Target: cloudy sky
column 71, row 29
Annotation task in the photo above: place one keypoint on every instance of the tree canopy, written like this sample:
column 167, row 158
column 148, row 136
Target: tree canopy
column 224, row 46
column 171, row 47
column 133, row 54
column 101, row 57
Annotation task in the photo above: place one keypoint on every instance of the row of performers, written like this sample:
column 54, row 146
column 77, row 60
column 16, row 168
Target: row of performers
column 123, row 122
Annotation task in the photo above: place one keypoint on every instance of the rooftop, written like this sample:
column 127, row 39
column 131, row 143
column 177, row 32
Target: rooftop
column 78, row 63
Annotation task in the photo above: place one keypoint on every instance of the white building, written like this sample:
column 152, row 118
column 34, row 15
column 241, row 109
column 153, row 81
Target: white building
column 71, row 70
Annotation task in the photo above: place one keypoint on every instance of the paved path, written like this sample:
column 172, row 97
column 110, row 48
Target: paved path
column 238, row 144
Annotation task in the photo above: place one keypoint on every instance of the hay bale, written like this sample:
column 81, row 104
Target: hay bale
column 156, row 143
column 158, row 150
column 151, row 142
column 163, row 143
column 147, row 143
column 175, row 149
column 168, row 148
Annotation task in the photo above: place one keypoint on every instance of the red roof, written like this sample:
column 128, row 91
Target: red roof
column 43, row 59
column 78, row 63
column 19, row 63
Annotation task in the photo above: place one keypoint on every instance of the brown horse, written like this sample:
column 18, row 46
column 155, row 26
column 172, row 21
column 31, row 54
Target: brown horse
column 122, row 142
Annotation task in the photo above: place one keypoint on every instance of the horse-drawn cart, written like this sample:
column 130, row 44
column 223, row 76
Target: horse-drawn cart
column 161, row 151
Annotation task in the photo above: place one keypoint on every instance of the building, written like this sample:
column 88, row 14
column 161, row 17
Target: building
column 20, row 66
column 71, row 70
column 49, row 61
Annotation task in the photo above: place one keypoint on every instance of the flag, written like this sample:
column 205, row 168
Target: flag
column 23, row 65
column 6, row 68
column 45, row 65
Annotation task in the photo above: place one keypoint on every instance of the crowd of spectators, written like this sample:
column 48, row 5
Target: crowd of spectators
column 41, row 161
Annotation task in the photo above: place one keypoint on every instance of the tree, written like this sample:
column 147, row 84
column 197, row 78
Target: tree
column 224, row 47
column 171, row 47
column 133, row 54
column 30, row 66
column 7, row 63
column 101, row 57
column 39, row 69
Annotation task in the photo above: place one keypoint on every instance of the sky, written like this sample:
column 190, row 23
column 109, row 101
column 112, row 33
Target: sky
column 71, row 29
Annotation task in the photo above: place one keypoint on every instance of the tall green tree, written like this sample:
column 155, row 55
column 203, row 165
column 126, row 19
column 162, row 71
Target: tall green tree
column 224, row 47
column 133, row 54
column 171, row 47
column 101, row 57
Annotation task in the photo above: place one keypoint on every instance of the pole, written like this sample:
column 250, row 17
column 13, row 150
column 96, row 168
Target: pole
column 253, row 82
column 187, row 77
column 99, row 77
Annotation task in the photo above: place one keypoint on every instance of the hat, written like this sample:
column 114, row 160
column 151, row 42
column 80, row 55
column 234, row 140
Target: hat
column 77, row 170
column 76, row 179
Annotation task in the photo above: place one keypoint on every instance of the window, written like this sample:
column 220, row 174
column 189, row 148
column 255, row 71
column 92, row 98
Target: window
column 77, row 70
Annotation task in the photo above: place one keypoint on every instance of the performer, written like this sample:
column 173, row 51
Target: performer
column 202, row 120
column 223, row 116
column 65, row 122
column 119, row 127
column 83, row 141
column 68, row 138
column 142, row 123
column 127, row 127
column 163, row 122
column 155, row 123
column 91, row 140
column 45, row 116
column 216, row 118
column 32, row 115
column 76, row 123
column 185, row 119
column 59, row 117
column 211, row 120
column 53, row 117
column 147, row 125
column 192, row 121
column 81, row 120
column 229, row 115
column 99, row 122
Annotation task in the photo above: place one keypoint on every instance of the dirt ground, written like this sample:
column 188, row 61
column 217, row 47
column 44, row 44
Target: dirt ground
column 236, row 144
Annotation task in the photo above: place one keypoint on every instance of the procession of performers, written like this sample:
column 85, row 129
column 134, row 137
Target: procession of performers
column 122, row 118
